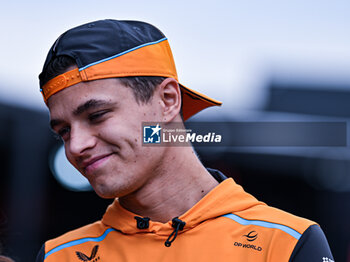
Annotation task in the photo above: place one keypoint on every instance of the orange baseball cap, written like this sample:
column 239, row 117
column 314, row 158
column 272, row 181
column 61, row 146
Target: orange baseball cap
column 112, row 48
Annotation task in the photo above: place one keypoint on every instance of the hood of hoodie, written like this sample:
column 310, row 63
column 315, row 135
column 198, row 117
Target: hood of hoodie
column 218, row 202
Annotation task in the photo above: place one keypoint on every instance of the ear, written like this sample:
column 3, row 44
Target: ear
column 170, row 95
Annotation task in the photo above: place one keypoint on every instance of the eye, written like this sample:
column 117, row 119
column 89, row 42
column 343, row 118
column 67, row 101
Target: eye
column 97, row 115
column 63, row 132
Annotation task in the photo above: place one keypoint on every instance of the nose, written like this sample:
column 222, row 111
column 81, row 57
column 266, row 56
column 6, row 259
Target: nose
column 81, row 140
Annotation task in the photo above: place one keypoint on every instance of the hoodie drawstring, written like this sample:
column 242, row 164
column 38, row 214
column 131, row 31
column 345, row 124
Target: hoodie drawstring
column 178, row 224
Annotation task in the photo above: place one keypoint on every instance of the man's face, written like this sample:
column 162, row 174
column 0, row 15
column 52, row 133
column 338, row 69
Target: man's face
column 100, row 124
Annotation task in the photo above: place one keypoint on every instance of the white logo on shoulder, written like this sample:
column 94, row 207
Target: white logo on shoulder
column 326, row 259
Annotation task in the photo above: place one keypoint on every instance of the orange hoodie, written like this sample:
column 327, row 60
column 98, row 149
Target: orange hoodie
column 227, row 224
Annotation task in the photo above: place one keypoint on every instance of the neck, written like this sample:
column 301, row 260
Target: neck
column 177, row 185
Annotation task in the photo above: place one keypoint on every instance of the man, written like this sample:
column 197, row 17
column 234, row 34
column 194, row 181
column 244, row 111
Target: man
column 101, row 81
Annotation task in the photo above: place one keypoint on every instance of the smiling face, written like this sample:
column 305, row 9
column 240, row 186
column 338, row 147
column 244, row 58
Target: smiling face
column 100, row 124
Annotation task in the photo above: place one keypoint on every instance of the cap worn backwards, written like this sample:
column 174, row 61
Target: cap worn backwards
column 112, row 48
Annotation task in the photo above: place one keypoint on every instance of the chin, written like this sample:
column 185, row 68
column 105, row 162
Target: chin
column 105, row 193
column 101, row 188
column 105, row 190
column 111, row 187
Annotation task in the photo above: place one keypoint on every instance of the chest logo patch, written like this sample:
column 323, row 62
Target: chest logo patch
column 251, row 236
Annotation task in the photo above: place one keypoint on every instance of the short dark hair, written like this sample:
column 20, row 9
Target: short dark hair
column 142, row 86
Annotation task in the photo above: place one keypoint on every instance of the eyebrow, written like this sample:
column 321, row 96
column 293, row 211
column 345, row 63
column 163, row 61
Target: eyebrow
column 90, row 104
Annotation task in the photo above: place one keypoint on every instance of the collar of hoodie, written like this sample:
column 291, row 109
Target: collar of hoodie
column 219, row 201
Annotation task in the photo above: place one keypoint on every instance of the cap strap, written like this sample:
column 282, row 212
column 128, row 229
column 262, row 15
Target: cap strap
column 60, row 82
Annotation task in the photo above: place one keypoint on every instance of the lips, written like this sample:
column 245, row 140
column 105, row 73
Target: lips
column 94, row 163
